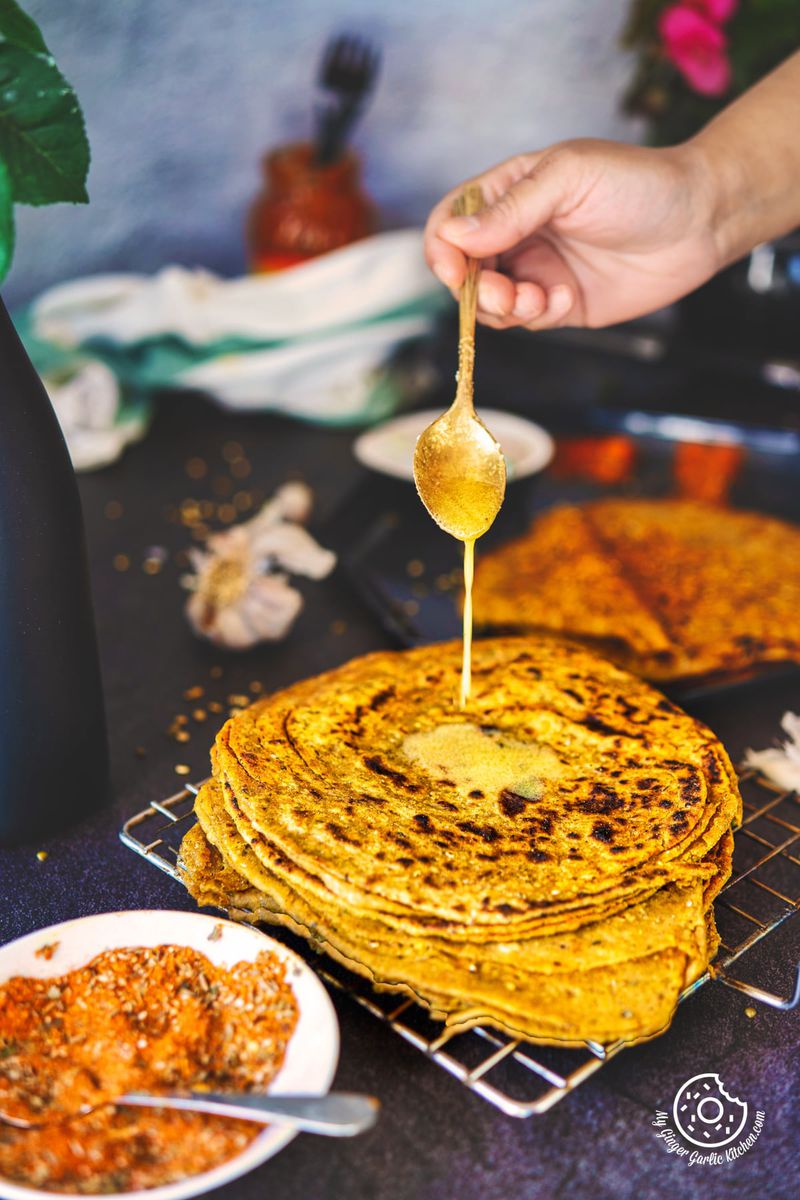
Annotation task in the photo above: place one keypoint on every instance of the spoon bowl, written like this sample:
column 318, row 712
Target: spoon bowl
column 460, row 473
column 459, row 467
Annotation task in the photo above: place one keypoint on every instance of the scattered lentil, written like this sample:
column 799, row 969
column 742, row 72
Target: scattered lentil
column 121, row 562
column 190, row 511
column 196, row 468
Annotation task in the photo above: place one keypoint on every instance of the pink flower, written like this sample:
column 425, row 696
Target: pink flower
column 697, row 47
column 717, row 10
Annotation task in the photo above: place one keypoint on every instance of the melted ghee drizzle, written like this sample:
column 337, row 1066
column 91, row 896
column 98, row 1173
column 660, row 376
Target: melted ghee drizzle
column 466, row 651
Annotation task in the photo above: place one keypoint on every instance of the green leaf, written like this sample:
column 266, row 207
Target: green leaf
column 6, row 222
column 20, row 29
column 42, row 136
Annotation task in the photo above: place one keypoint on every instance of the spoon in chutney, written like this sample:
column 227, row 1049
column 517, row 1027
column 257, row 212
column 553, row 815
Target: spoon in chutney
column 335, row 1114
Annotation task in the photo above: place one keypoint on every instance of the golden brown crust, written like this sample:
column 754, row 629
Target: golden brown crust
column 394, row 838
column 575, row 908
column 669, row 589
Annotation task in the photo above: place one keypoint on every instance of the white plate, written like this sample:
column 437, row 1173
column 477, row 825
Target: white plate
column 389, row 448
column 312, row 1054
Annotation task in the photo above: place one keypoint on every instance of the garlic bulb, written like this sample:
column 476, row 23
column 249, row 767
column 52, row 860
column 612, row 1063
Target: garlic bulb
column 96, row 424
column 241, row 594
column 780, row 764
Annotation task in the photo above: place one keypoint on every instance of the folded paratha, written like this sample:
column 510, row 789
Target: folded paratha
column 669, row 589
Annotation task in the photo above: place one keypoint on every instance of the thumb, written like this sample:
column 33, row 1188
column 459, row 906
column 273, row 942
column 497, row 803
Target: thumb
column 516, row 214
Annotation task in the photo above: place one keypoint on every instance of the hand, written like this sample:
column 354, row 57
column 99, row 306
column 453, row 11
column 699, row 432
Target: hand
column 584, row 233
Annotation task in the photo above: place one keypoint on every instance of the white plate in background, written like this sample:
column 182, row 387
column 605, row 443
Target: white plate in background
column 312, row 1053
column 389, row 448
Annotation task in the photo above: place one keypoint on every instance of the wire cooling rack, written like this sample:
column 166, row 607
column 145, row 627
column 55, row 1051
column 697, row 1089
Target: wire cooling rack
column 517, row 1077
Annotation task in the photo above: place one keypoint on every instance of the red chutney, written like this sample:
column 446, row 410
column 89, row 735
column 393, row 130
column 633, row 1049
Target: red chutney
column 134, row 1019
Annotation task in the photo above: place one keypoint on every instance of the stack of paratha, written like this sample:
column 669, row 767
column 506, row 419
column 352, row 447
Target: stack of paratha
column 668, row 589
column 544, row 862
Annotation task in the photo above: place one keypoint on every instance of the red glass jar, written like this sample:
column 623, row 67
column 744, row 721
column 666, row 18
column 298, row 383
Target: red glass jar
column 306, row 209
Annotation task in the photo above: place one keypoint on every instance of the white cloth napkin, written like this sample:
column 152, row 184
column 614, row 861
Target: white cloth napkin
column 346, row 287
column 317, row 336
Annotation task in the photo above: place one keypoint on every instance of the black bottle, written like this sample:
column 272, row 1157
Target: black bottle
column 53, row 748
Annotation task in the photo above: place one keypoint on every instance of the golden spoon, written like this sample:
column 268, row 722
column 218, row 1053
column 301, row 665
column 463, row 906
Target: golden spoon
column 459, row 468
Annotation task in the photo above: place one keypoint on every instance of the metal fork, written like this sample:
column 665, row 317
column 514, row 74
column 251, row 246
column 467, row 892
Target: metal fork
column 347, row 75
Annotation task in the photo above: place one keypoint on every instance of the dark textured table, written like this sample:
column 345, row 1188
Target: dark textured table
column 435, row 1140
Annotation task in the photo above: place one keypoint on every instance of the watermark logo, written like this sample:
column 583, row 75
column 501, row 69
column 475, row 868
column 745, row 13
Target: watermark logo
column 705, row 1115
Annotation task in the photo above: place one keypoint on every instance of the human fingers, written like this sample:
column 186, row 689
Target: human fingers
column 536, row 309
column 447, row 261
column 560, row 305
column 513, row 216
column 500, row 296
column 496, row 293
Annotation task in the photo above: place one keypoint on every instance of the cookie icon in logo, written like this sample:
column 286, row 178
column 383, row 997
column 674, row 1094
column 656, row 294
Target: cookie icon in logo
column 705, row 1114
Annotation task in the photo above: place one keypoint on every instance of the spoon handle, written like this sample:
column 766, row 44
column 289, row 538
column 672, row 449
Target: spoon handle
column 469, row 202
column 338, row 1114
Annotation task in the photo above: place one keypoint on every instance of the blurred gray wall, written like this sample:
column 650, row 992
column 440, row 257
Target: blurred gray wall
column 183, row 96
